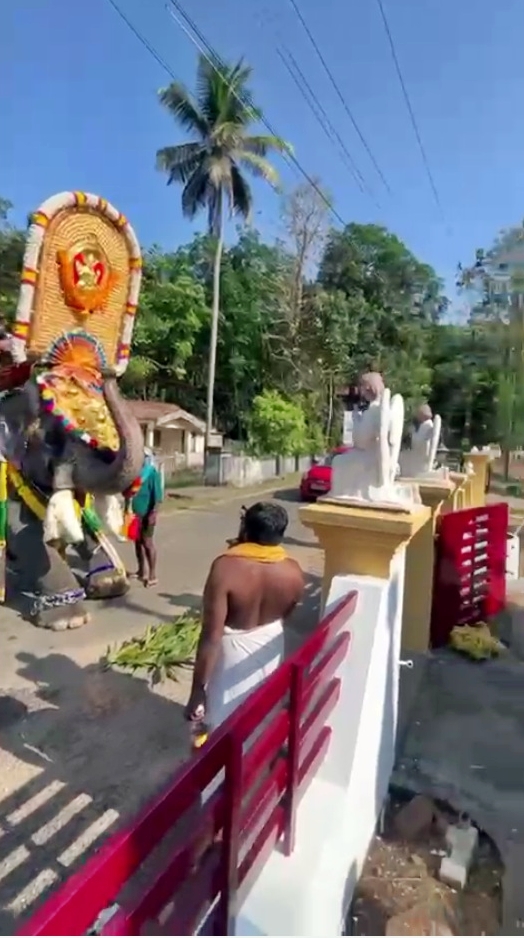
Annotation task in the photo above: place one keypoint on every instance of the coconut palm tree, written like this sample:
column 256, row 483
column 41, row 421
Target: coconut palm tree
column 211, row 167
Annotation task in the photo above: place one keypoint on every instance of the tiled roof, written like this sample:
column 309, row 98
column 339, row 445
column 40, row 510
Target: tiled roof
column 159, row 412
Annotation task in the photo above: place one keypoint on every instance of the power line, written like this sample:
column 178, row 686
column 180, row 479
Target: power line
column 293, row 68
column 317, row 108
column 339, row 94
column 213, row 59
column 409, row 106
column 210, row 54
column 163, row 64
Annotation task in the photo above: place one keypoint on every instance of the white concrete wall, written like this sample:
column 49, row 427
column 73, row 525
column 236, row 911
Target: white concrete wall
column 310, row 892
column 246, row 470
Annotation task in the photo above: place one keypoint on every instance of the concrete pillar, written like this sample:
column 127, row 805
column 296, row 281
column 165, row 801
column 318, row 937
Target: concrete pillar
column 360, row 540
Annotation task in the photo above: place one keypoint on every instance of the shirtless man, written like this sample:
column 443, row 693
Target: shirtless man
column 250, row 591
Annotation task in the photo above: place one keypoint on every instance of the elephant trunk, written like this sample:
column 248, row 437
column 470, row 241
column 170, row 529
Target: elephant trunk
column 92, row 472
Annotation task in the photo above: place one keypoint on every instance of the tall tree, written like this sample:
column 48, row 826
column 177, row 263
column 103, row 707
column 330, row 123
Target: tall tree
column 305, row 215
column 211, row 167
column 400, row 299
column 496, row 285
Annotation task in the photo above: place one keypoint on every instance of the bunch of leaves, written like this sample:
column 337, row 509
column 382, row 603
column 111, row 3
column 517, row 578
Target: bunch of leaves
column 160, row 651
column 277, row 425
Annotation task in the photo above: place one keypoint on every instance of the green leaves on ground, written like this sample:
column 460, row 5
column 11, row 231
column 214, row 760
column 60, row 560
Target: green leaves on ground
column 160, row 651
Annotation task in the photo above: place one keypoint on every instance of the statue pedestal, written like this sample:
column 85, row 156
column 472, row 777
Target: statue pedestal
column 461, row 496
column 358, row 540
column 480, row 463
column 437, row 496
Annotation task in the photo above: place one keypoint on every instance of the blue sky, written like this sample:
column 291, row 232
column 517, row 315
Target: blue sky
column 78, row 109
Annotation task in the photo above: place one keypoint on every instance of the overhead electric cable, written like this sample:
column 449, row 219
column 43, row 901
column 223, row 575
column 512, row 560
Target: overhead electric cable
column 210, row 57
column 206, row 49
column 163, row 64
column 409, row 106
column 293, row 68
column 339, row 94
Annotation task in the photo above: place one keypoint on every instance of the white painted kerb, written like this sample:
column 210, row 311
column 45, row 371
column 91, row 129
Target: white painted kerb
column 309, row 893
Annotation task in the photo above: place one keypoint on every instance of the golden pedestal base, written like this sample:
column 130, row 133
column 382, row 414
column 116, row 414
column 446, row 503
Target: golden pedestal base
column 438, row 496
column 361, row 541
column 480, row 463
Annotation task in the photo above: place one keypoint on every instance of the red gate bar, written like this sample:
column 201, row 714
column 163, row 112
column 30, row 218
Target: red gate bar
column 253, row 809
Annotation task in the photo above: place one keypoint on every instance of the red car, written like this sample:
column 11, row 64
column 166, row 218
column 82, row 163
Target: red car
column 317, row 480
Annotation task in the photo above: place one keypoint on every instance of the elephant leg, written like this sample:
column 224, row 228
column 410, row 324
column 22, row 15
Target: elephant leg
column 104, row 579
column 59, row 599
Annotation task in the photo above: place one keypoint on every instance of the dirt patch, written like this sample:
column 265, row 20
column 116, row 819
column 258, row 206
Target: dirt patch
column 400, row 882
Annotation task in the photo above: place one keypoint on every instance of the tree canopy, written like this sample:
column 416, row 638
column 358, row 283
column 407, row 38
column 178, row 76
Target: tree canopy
column 301, row 316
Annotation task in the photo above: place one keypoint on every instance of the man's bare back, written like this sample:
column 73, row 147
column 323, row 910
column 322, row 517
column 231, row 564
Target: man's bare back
column 258, row 593
column 253, row 593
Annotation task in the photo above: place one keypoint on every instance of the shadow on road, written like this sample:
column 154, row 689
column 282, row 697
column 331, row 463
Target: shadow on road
column 298, row 542
column 188, row 600
column 89, row 749
column 286, row 495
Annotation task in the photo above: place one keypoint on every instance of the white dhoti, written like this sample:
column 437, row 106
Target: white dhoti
column 245, row 660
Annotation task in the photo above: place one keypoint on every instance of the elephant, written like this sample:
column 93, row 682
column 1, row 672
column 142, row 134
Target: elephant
column 60, row 466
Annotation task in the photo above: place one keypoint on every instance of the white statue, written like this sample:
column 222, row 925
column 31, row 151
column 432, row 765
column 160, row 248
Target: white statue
column 420, row 459
column 366, row 474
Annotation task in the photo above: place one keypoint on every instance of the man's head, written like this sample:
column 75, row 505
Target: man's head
column 424, row 413
column 371, row 386
column 265, row 523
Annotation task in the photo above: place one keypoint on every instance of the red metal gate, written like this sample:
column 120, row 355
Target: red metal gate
column 252, row 811
column 470, row 568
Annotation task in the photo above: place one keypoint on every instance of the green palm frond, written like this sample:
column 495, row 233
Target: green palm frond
column 179, row 102
column 180, row 162
column 221, row 92
column 258, row 166
column 197, row 191
column 240, row 197
column 264, row 143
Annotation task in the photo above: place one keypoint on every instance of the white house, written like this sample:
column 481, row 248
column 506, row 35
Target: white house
column 171, row 432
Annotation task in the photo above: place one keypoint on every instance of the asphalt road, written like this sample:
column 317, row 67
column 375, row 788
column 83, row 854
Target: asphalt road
column 81, row 748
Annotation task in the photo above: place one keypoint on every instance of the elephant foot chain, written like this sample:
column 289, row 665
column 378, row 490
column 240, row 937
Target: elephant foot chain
column 60, row 611
column 106, row 582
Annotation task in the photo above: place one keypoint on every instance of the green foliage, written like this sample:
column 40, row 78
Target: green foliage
column 160, row 651
column 495, row 286
column 173, row 311
column 299, row 318
column 277, row 426
column 12, row 243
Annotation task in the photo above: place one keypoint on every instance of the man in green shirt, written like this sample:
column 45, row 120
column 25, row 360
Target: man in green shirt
column 145, row 505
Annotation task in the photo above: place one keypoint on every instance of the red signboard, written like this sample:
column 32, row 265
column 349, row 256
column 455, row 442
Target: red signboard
column 470, row 568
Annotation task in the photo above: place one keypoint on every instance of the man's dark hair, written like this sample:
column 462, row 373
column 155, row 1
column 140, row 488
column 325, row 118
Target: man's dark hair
column 265, row 523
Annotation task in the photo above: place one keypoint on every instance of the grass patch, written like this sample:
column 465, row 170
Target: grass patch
column 160, row 651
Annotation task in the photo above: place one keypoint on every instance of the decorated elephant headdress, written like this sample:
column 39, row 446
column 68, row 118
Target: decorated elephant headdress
column 78, row 299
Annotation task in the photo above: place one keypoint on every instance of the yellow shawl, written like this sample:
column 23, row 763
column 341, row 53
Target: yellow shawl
column 259, row 552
